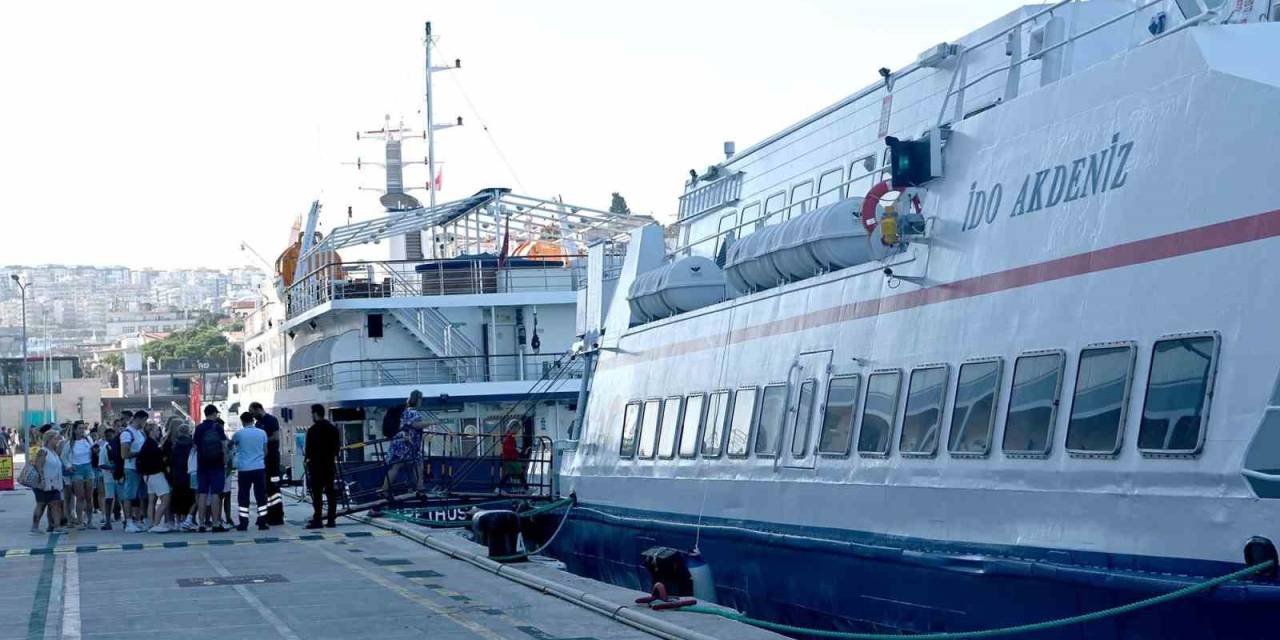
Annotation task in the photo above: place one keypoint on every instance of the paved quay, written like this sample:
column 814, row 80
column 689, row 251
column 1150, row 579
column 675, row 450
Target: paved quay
column 355, row 580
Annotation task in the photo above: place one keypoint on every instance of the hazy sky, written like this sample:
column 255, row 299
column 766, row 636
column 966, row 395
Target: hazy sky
column 163, row 134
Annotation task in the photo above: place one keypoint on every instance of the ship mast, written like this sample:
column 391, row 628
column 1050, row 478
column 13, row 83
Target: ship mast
column 431, row 127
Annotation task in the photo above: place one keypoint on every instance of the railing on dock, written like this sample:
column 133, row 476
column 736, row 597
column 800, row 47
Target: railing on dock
column 452, row 465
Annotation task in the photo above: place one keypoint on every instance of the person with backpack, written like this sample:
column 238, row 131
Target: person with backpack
column 210, row 442
column 178, row 451
column 151, row 466
column 107, row 467
column 131, row 441
column 250, row 445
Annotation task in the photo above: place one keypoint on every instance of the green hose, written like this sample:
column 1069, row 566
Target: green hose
column 992, row 633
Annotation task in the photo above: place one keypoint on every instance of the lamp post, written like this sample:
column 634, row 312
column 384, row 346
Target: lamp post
column 150, row 361
column 26, row 376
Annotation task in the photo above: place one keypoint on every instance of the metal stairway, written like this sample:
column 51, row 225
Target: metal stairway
column 434, row 331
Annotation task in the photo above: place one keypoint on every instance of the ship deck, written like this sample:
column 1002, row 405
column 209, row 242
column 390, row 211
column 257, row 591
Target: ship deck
column 354, row 580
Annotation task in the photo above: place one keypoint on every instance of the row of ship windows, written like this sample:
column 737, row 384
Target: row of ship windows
column 751, row 419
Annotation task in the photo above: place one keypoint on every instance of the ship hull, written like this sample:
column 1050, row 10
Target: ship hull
column 867, row 582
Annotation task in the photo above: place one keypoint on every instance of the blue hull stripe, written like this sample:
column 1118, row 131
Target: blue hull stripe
column 861, row 581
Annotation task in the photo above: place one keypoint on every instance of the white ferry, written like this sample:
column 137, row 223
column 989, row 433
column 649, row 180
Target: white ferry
column 474, row 306
column 989, row 342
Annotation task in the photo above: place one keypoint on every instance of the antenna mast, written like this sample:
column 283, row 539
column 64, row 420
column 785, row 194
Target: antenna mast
column 431, row 134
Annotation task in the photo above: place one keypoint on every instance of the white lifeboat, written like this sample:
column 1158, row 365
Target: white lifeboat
column 686, row 284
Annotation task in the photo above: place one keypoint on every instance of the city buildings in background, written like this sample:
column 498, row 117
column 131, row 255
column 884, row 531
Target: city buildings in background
column 88, row 331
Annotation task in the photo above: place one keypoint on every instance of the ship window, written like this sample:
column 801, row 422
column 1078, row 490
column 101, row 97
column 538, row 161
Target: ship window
column 1178, row 392
column 630, row 420
column 773, row 207
column 744, row 410
column 837, row 420
column 829, row 186
column 925, row 395
column 974, row 413
column 800, row 195
column 750, row 213
column 804, row 418
column 726, row 235
column 713, row 434
column 649, row 428
column 1033, row 404
column 860, row 180
column 668, row 427
column 879, row 412
column 1101, row 395
column 773, row 409
column 691, row 425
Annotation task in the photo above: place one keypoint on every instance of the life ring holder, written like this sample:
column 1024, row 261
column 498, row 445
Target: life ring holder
column 867, row 214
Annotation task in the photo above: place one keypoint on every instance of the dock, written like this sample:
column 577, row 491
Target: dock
column 370, row 580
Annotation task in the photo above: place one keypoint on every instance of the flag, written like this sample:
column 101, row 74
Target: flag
column 197, row 393
column 439, row 183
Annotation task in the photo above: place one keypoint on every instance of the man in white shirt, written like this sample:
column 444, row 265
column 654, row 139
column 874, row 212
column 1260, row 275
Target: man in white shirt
column 131, row 441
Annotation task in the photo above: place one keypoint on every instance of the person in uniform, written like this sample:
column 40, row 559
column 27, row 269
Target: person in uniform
column 269, row 424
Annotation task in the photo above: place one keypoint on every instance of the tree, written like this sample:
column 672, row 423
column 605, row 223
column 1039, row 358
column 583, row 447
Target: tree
column 619, row 205
column 201, row 342
column 113, row 361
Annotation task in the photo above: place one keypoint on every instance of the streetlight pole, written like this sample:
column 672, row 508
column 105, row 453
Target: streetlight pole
column 149, row 361
column 26, row 375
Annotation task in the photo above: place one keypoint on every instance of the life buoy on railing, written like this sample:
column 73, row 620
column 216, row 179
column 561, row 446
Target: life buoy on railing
column 870, row 201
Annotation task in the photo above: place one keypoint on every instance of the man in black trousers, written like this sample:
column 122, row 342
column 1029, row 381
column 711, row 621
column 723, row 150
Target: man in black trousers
column 321, row 453
column 269, row 424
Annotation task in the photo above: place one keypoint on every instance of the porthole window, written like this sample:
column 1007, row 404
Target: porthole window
column 669, row 427
column 1100, row 398
column 630, row 424
column 691, row 425
column 773, row 411
column 1033, row 404
column 837, row 420
column 649, row 428
column 744, row 412
column 713, row 431
column 1176, row 404
column 926, row 392
column 804, row 418
column 973, row 415
column 879, row 413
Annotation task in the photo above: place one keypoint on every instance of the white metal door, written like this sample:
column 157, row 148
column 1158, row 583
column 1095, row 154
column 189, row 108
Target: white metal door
column 807, row 387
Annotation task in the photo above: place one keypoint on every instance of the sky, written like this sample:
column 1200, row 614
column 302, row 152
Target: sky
column 165, row 134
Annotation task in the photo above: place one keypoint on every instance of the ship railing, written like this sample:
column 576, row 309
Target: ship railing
column 446, row 464
column 454, row 276
column 1011, row 39
column 846, row 189
column 356, row 374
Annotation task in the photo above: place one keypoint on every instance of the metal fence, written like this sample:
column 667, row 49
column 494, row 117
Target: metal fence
column 406, row 278
column 354, row 374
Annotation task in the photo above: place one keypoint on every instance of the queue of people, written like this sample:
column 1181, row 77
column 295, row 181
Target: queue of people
column 134, row 474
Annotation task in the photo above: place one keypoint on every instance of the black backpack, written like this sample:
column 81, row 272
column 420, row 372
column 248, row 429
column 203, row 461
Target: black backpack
column 117, row 460
column 209, row 448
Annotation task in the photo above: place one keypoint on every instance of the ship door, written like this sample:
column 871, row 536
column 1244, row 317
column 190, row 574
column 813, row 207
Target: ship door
column 807, row 386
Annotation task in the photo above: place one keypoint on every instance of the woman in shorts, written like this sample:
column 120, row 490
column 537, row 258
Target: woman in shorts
column 82, row 480
column 151, row 467
column 49, row 487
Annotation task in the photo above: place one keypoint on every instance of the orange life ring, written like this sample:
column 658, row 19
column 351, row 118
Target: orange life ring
column 869, row 202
